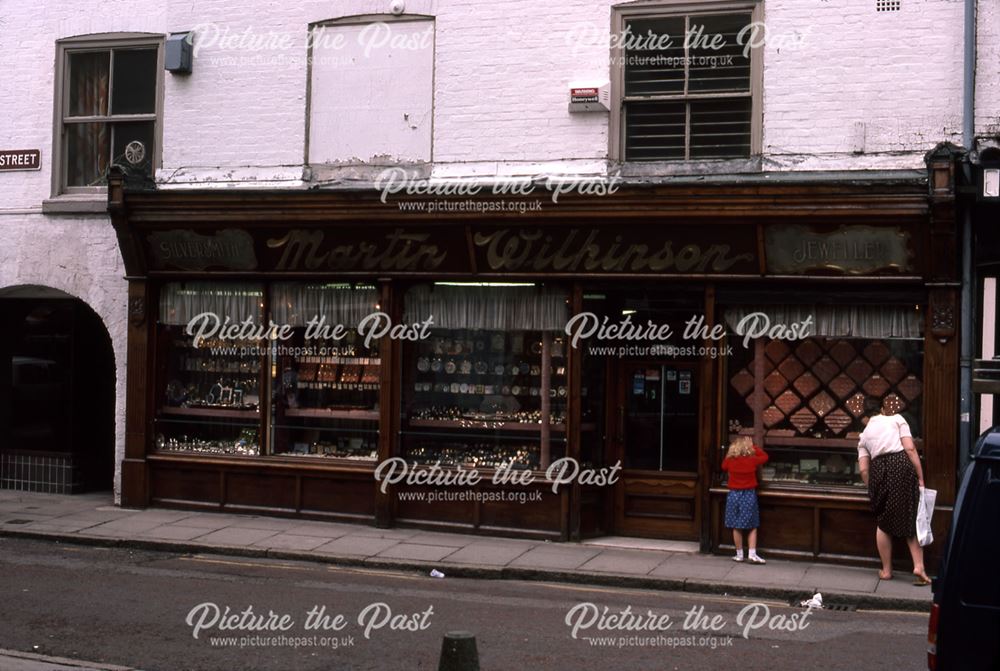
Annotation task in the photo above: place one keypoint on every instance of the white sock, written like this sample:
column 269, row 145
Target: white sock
column 753, row 553
column 739, row 554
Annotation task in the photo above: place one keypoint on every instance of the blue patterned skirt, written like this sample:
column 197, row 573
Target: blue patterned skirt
column 741, row 509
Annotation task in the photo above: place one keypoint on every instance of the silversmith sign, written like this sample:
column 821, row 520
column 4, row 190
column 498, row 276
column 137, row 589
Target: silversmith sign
column 661, row 250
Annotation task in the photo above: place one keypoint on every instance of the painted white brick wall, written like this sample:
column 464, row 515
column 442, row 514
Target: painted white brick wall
column 501, row 76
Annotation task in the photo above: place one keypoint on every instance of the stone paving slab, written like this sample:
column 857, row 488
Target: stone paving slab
column 548, row 557
column 237, row 536
column 488, row 553
column 356, row 546
column 627, row 562
column 289, row 541
column 417, row 552
column 841, row 578
column 175, row 532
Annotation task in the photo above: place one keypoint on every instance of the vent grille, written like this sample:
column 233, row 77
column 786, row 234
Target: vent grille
column 887, row 5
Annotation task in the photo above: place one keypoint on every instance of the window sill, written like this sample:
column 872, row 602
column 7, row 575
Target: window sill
column 76, row 203
column 733, row 166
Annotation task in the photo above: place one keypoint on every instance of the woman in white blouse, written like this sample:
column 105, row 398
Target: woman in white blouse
column 890, row 466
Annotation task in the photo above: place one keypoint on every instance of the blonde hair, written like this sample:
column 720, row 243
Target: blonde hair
column 742, row 446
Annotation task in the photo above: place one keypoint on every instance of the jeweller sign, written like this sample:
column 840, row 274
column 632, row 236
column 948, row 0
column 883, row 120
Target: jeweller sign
column 20, row 159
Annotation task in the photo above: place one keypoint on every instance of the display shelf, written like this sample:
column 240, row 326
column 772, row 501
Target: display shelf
column 213, row 413
column 333, row 413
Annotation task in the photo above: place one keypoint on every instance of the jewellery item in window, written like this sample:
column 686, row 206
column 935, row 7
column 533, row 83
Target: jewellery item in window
column 480, row 389
column 517, row 343
column 214, row 394
column 497, row 342
column 536, row 347
column 561, row 370
column 480, row 345
column 534, row 391
column 176, row 393
column 439, row 345
column 457, row 347
column 557, row 347
column 466, row 367
column 418, row 387
column 436, row 365
column 441, row 387
column 552, row 393
column 450, row 367
column 505, row 390
column 481, row 367
column 454, row 387
column 515, row 390
column 463, row 388
column 498, row 369
column 515, row 369
column 562, row 391
column 423, row 364
column 536, row 370
column 489, row 389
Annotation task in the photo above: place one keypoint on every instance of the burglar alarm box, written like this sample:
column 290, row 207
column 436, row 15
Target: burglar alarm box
column 590, row 98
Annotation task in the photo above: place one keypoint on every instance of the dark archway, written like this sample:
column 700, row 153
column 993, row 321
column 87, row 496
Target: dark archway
column 57, row 394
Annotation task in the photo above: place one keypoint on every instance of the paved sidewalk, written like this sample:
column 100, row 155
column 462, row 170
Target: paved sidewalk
column 13, row 660
column 93, row 519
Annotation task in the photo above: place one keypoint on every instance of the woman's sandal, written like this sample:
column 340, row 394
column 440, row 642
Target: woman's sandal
column 921, row 581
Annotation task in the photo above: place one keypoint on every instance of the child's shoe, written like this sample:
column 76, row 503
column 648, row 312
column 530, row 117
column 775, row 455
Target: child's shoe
column 754, row 558
column 738, row 556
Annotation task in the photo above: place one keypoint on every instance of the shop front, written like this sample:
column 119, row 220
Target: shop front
column 319, row 354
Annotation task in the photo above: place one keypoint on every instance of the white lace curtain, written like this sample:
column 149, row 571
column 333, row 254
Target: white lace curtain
column 490, row 308
column 840, row 321
column 181, row 301
column 295, row 303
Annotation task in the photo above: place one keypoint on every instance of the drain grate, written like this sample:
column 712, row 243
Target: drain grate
column 19, row 521
column 840, row 607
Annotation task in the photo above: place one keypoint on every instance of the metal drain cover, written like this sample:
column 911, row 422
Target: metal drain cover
column 841, row 607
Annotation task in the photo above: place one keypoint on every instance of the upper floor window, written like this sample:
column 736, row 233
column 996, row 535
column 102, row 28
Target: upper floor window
column 108, row 102
column 686, row 83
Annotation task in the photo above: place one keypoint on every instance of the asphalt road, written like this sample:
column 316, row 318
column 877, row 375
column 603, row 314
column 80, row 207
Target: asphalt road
column 142, row 609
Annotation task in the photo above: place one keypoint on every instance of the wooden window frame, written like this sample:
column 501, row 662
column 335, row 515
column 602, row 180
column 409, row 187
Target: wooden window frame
column 684, row 8
column 96, row 43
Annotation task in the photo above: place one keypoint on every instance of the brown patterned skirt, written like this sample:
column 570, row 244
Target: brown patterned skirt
column 894, row 490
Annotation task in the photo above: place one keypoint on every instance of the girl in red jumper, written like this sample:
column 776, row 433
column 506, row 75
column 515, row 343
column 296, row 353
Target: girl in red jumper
column 741, row 463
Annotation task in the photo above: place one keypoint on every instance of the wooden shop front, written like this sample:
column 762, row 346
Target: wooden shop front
column 292, row 405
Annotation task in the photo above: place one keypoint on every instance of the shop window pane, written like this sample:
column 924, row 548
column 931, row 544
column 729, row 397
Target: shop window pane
column 134, row 89
column 489, row 387
column 88, row 83
column 87, row 150
column 805, row 400
column 209, row 401
column 326, row 399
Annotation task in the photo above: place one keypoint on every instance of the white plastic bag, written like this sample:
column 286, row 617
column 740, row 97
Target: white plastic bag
column 925, row 509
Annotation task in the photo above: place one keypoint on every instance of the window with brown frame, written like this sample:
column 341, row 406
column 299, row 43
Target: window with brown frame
column 107, row 110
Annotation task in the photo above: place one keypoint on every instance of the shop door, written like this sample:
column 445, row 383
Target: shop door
column 656, row 439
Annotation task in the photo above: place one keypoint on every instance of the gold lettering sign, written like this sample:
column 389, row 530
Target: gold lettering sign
column 587, row 251
column 397, row 251
column 852, row 250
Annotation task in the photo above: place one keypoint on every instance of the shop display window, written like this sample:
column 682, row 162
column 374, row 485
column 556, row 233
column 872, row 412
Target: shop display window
column 209, row 401
column 326, row 391
column 804, row 399
column 324, row 388
column 489, row 387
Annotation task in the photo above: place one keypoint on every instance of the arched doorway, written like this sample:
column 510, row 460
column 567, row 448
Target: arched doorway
column 57, row 394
